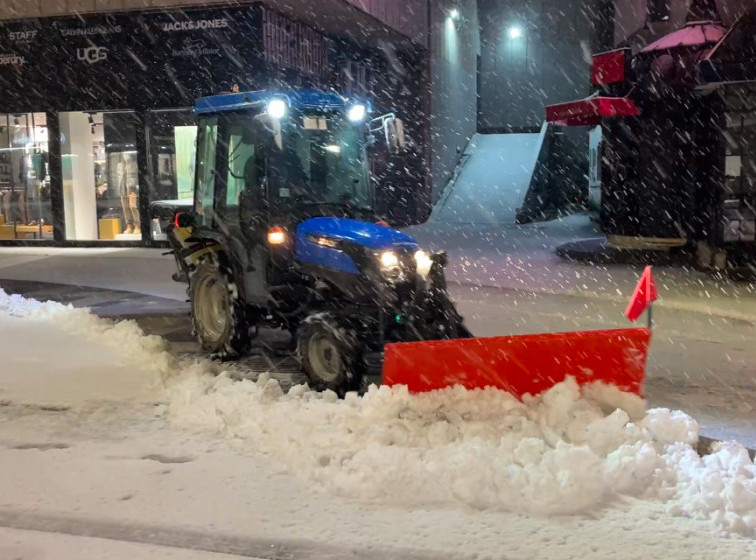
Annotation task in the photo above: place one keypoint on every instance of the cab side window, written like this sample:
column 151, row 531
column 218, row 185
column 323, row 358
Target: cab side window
column 241, row 157
column 207, row 143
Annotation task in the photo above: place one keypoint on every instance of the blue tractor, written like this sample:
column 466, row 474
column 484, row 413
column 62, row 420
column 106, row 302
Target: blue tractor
column 283, row 233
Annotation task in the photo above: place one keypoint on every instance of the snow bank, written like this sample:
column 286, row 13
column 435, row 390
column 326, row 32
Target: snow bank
column 58, row 356
column 555, row 454
column 559, row 453
column 148, row 354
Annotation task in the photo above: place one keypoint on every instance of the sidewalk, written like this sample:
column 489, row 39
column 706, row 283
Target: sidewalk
column 103, row 302
column 113, row 282
column 145, row 271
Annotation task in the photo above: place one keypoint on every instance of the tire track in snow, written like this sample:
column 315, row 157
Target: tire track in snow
column 194, row 539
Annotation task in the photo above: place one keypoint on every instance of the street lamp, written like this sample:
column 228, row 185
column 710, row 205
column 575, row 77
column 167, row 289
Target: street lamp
column 515, row 32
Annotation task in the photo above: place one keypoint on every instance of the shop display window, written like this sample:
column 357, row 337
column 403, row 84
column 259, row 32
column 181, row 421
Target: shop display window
column 172, row 146
column 100, row 176
column 25, row 203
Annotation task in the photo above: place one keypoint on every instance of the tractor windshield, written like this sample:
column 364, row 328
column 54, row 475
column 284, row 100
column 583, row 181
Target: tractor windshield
column 321, row 159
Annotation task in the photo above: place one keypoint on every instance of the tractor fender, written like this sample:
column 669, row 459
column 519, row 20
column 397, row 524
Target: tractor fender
column 228, row 258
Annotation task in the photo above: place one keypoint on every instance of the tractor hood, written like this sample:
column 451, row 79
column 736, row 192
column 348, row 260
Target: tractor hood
column 320, row 241
column 372, row 236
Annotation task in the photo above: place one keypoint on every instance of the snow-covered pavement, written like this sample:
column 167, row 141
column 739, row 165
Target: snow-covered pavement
column 39, row 545
column 106, row 434
column 523, row 258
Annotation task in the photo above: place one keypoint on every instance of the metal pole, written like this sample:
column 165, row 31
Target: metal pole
column 650, row 315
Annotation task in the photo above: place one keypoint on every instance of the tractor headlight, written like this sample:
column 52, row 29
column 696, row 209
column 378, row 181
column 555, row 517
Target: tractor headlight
column 357, row 113
column 423, row 263
column 389, row 260
column 277, row 108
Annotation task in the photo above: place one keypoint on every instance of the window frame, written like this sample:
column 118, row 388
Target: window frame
column 200, row 200
column 658, row 11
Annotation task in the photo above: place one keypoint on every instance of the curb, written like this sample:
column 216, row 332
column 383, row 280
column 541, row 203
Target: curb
column 705, row 444
column 660, row 303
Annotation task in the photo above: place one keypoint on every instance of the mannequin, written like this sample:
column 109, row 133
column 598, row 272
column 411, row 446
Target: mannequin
column 7, row 209
column 17, row 193
column 29, row 189
column 23, row 207
column 128, row 192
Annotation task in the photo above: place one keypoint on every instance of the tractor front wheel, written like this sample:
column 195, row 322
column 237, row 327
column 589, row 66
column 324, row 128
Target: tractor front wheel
column 329, row 354
column 218, row 317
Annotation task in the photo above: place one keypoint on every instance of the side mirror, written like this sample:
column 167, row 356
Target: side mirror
column 183, row 220
column 393, row 129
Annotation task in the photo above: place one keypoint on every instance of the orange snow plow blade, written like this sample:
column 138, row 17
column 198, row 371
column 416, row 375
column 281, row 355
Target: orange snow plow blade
column 521, row 364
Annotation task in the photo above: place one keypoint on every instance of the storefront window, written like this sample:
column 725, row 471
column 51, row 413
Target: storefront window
column 100, row 176
column 172, row 142
column 25, row 209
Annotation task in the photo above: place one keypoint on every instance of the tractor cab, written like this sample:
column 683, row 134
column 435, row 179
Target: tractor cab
column 268, row 161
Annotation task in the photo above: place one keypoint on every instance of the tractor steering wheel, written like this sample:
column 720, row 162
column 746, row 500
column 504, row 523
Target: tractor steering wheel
column 306, row 200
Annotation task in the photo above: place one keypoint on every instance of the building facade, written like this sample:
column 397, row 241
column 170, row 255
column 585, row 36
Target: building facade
column 535, row 53
column 96, row 117
column 449, row 68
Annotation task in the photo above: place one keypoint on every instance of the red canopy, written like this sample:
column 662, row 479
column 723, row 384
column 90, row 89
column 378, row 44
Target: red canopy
column 589, row 112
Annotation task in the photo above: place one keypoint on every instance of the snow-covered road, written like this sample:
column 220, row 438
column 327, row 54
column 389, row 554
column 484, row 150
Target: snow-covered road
column 106, row 434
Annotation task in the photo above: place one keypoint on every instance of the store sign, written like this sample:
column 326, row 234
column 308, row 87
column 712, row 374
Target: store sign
column 292, row 45
column 194, row 48
column 87, row 31
column 198, row 52
column 92, row 55
column 195, row 25
column 22, row 81
column 22, row 36
column 12, row 60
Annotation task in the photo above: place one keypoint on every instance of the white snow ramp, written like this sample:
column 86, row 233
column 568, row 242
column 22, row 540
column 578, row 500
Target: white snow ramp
column 493, row 181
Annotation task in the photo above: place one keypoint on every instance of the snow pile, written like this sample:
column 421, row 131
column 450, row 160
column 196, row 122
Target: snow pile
column 559, row 453
column 148, row 354
column 61, row 357
column 554, row 454
column 720, row 487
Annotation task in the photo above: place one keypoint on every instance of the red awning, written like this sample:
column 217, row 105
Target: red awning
column 692, row 35
column 589, row 112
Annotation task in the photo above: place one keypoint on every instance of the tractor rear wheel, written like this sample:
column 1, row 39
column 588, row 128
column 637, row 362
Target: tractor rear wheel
column 329, row 354
column 218, row 317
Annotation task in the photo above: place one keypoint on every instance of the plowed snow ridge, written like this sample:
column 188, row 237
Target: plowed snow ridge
column 555, row 454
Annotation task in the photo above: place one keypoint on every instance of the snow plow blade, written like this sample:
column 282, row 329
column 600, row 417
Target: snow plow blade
column 521, row 364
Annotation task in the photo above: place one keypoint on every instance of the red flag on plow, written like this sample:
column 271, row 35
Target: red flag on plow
column 521, row 364
column 643, row 296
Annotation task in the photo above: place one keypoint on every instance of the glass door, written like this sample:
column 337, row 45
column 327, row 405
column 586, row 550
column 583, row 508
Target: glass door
column 172, row 148
column 100, row 175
